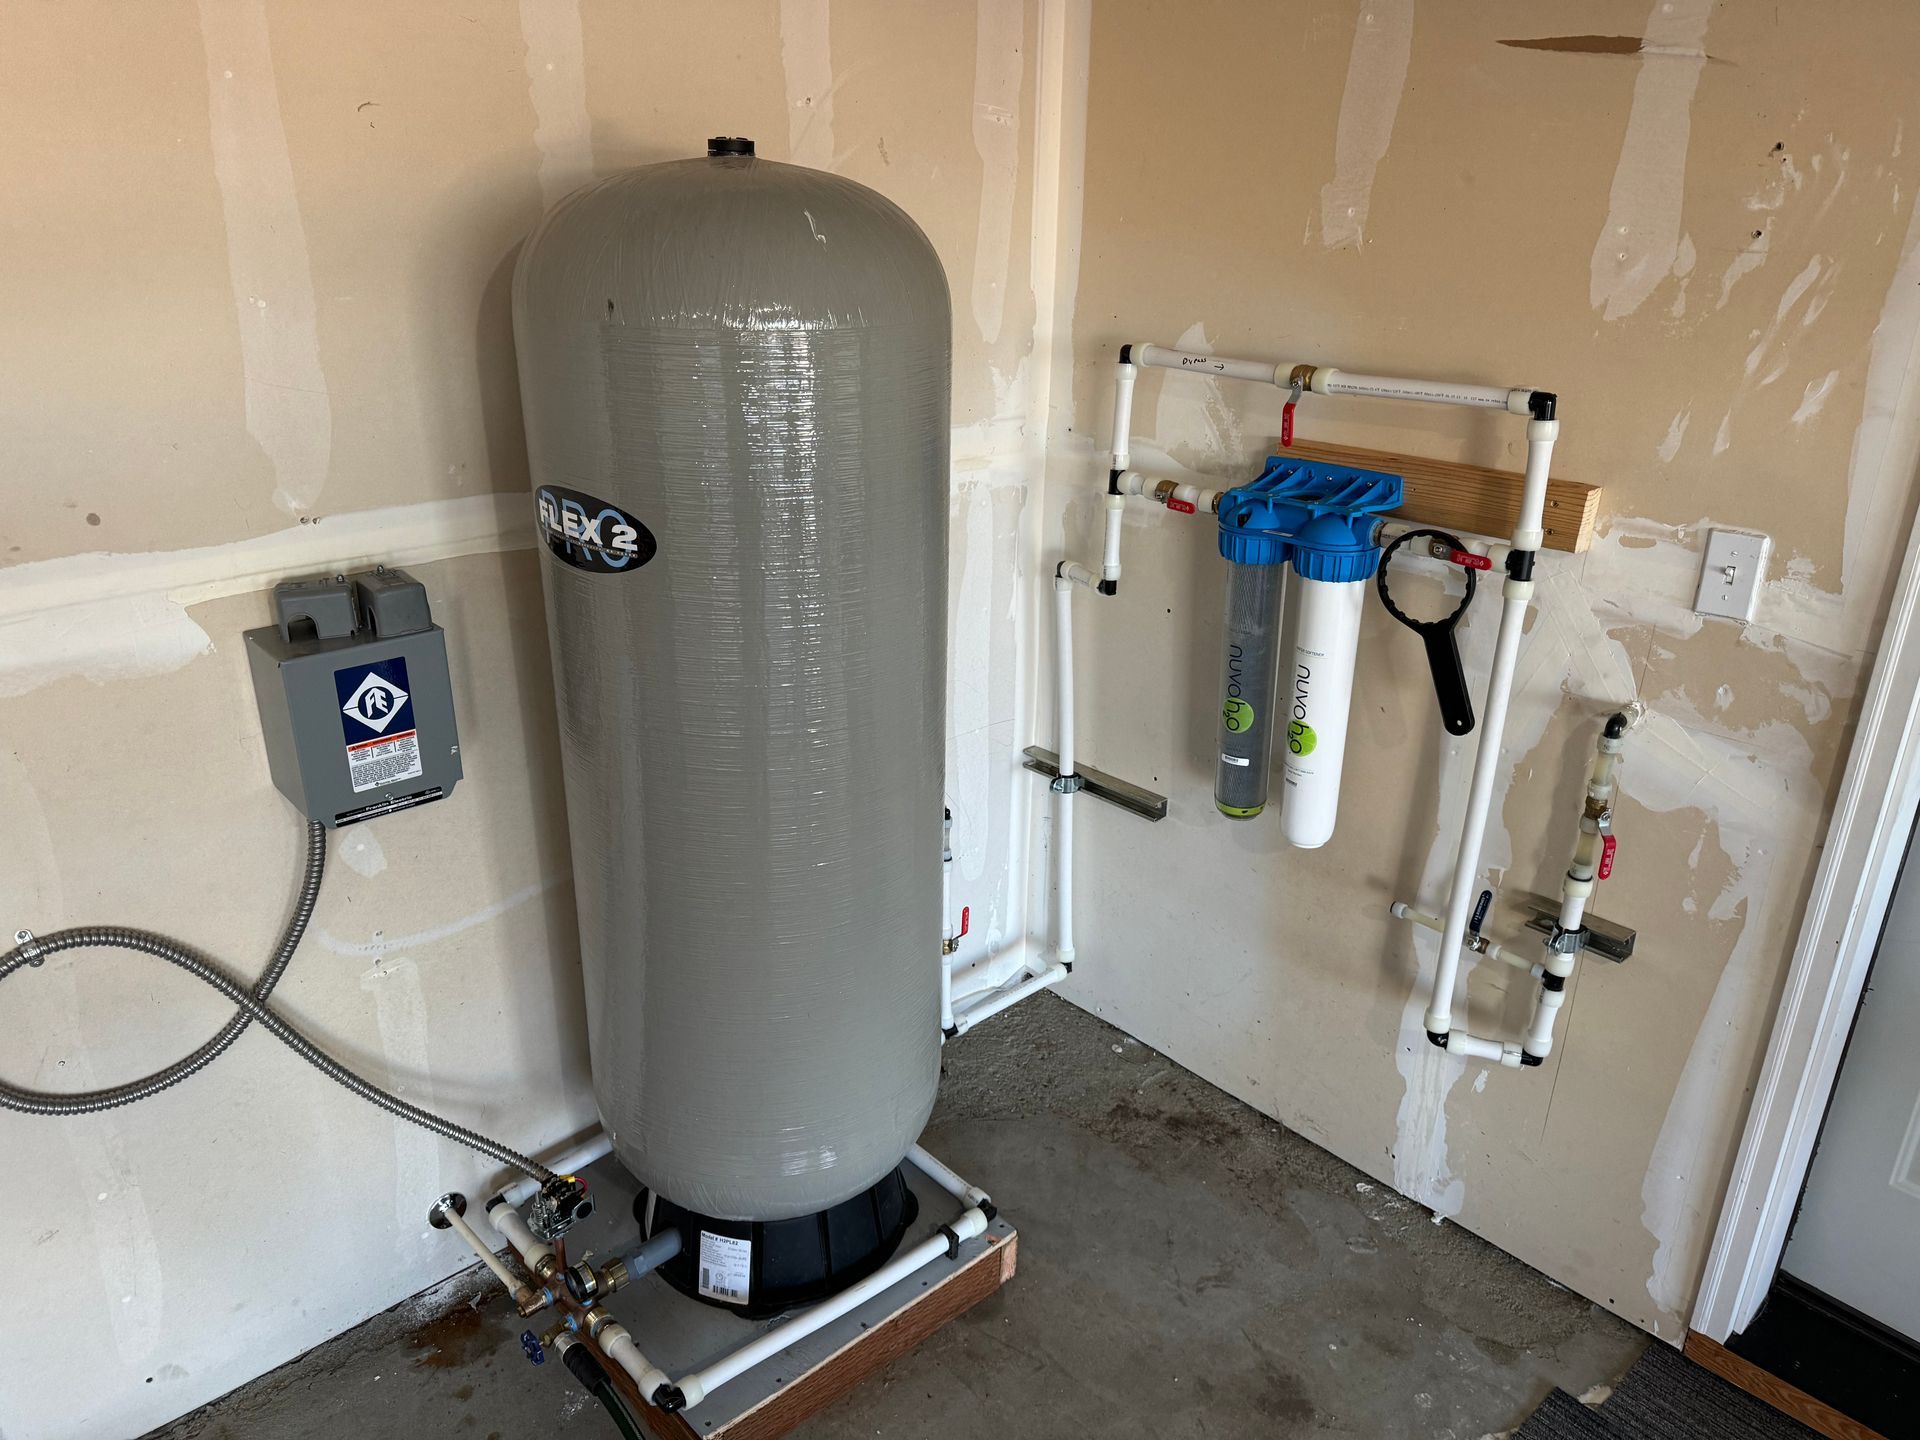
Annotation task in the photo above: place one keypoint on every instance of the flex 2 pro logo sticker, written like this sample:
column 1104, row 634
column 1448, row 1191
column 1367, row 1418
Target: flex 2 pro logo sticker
column 590, row 534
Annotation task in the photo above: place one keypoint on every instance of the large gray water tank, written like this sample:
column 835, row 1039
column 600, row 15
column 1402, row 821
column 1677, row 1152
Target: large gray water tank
column 735, row 380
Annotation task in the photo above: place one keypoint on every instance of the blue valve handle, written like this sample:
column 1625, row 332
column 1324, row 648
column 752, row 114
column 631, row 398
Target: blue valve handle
column 536, row 1352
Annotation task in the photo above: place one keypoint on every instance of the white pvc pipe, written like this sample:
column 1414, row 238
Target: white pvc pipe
column 492, row 1261
column 1474, row 1048
column 965, row 1019
column 1263, row 372
column 618, row 1345
column 1546, row 1010
column 1575, row 890
column 946, row 1177
column 1063, row 673
column 702, row 1383
column 1063, row 741
column 946, row 924
column 1492, row 949
column 1063, row 951
column 1110, row 543
column 1124, row 375
column 1387, row 531
column 1328, row 381
column 1530, row 533
column 985, row 973
column 959, row 1018
column 1515, row 595
column 509, row 1225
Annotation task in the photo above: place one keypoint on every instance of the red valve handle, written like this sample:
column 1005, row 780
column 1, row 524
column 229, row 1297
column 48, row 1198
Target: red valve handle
column 1606, row 857
column 1286, row 423
column 1183, row 507
column 966, row 911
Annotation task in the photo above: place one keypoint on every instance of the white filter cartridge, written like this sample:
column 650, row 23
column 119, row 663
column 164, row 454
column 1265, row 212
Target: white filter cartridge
column 1316, row 687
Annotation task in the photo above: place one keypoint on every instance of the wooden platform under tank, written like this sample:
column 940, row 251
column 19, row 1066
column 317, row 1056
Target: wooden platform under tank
column 773, row 1398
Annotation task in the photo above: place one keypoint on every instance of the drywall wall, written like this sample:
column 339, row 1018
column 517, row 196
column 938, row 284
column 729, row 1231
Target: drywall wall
column 1695, row 222
column 256, row 326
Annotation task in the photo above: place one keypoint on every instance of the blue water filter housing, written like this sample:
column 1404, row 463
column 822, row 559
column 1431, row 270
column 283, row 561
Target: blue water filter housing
column 1318, row 521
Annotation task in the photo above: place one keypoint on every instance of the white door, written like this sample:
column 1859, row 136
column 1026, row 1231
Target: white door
column 1858, row 1234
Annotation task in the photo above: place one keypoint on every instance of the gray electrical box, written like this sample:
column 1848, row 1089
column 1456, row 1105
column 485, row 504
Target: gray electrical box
column 355, row 701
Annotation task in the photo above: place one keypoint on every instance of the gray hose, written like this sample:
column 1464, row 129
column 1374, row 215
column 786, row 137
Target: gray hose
column 250, row 1006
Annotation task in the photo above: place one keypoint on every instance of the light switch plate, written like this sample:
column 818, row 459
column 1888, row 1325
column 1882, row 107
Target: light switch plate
column 1730, row 575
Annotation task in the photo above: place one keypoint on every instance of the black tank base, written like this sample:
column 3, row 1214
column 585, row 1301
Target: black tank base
column 759, row 1268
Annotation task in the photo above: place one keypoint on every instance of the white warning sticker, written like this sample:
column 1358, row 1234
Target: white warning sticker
column 376, row 717
column 726, row 1266
column 373, row 763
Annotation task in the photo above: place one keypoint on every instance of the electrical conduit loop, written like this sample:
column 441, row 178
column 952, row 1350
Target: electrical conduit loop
column 250, row 1008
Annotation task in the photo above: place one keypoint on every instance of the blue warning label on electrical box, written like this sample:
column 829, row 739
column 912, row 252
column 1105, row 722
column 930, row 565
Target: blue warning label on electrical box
column 376, row 717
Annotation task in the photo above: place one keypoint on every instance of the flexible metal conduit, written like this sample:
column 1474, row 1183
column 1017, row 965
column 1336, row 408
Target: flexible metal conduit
column 250, row 1007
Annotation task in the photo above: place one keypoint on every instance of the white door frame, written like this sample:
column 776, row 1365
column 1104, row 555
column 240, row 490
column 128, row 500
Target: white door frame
column 1873, row 816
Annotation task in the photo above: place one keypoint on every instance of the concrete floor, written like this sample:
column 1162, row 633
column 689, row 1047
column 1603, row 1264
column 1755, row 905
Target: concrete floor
column 1187, row 1268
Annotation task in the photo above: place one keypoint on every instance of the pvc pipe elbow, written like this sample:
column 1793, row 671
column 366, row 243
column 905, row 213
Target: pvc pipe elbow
column 619, row 1346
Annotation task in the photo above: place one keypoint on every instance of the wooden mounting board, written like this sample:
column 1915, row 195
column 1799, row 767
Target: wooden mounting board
column 1473, row 498
column 1763, row 1385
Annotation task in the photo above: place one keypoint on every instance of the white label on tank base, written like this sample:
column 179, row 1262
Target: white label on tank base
column 726, row 1264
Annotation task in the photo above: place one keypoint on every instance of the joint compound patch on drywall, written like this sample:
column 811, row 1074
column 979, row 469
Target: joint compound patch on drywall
column 360, row 851
column 1755, row 789
column 1422, row 1170
column 108, row 616
column 131, row 1291
column 1768, row 350
column 806, row 58
column 999, row 69
column 379, row 943
column 557, row 87
column 1640, row 240
column 1885, row 447
column 1195, row 405
column 400, row 1012
column 992, row 531
column 1813, row 398
column 1376, row 79
column 289, row 413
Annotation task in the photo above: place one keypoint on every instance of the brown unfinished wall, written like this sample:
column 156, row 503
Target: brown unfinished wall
column 256, row 325
column 1702, row 236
